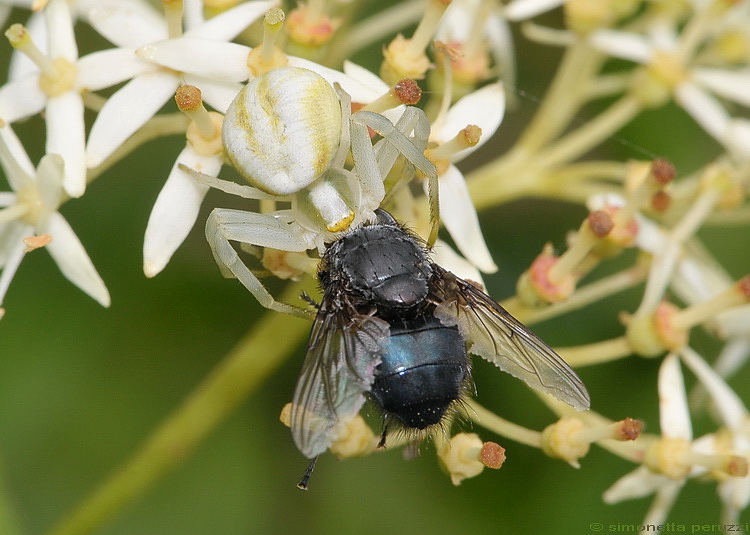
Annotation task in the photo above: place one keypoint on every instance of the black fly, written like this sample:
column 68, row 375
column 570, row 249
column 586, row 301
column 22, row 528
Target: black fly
column 397, row 328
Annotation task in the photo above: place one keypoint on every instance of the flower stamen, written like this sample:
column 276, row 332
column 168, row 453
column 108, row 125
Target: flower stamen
column 737, row 294
column 204, row 130
column 650, row 335
column 406, row 58
column 310, row 26
column 465, row 456
column 173, row 13
column 406, row 91
column 268, row 55
column 570, row 439
column 57, row 76
column 20, row 39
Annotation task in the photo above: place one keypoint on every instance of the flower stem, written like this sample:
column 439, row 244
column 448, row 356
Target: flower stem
column 631, row 451
column 591, row 134
column 376, row 28
column 563, row 98
column 491, row 184
column 596, row 352
column 583, row 296
column 252, row 360
column 156, row 127
column 503, row 427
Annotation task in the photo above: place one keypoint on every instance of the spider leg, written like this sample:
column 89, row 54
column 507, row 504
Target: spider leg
column 227, row 186
column 398, row 141
column 225, row 225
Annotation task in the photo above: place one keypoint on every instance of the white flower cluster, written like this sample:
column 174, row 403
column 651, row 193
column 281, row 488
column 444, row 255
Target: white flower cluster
column 326, row 171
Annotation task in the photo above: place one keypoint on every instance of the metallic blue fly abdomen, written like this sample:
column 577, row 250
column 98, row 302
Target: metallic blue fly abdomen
column 422, row 371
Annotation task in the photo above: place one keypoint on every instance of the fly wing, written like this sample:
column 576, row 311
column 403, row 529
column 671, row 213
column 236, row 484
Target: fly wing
column 500, row 338
column 339, row 368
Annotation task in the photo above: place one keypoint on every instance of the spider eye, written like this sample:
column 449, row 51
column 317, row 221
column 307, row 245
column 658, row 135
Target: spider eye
column 283, row 129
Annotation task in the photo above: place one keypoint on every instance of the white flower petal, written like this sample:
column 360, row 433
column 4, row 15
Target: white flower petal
column 50, row 175
column 599, row 201
column 6, row 199
column 7, row 230
column 660, row 274
column 458, row 214
column 624, row 45
column 175, row 210
column 651, row 237
column 458, row 23
column 371, row 85
column 674, row 416
column 525, row 9
column 62, row 40
column 734, row 322
column 446, row 257
column 128, row 24
column 12, row 254
column 662, row 34
column 484, row 108
column 202, row 57
column 698, row 278
column 503, row 49
column 663, row 502
column 733, row 356
column 110, row 67
column 22, row 65
column 362, row 85
column 66, row 136
column 219, row 95
column 71, row 258
column 192, row 14
column 228, row 25
column 738, row 138
column 21, row 98
column 733, row 85
column 19, row 171
column 704, row 108
column 729, row 405
column 704, row 444
column 735, row 495
column 636, row 484
column 126, row 111
column 458, row 26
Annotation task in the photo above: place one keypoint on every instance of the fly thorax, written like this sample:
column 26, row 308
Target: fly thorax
column 385, row 268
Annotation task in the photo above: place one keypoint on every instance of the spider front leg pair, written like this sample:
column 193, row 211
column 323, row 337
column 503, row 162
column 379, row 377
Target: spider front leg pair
column 289, row 133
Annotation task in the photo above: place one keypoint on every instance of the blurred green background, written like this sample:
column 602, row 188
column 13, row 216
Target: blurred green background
column 81, row 387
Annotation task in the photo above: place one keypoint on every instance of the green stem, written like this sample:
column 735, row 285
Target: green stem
column 252, row 360
column 575, row 144
column 563, row 99
column 503, row 180
column 630, row 450
column 596, row 352
column 585, row 295
column 501, row 426
column 156, row 127
column 375, row 28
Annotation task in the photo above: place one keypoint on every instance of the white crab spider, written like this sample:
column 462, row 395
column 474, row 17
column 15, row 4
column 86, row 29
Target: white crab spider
column 289, row 133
